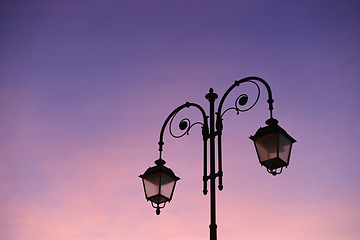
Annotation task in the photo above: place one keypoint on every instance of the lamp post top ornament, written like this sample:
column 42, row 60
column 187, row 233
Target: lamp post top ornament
column 211, row 96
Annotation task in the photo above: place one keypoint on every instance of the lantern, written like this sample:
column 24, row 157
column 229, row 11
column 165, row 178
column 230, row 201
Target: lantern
column 273, row 146
column 159, row 184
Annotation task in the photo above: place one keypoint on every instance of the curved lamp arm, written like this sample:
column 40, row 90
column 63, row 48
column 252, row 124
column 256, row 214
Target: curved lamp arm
column 184, row 125
column 219, row 114
column 247, row 79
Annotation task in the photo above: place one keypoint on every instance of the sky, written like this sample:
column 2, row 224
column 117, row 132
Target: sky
column 85, row 87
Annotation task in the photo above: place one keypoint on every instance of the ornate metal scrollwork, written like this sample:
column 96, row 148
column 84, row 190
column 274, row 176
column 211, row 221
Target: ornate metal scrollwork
column 184, row 125
column 242, row 100
column 158, row 207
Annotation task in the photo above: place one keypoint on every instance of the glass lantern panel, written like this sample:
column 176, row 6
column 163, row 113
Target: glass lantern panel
column 152, row 183
column 167, row 185
column 267, row 147
column 284, row 148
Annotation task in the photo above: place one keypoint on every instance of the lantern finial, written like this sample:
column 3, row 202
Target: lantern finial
column 160, row 162
column 271, row 121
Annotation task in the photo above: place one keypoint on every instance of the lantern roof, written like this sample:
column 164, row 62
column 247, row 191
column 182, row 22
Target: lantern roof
column 272, row 127
column 159, row 168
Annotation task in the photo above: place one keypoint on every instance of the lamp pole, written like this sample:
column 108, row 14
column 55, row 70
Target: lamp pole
column 273, row 146
column 211, row 97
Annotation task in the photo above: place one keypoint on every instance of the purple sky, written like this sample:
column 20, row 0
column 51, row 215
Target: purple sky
column 85, row 87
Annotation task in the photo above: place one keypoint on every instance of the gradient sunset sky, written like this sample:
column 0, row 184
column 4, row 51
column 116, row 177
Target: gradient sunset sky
column 85, row 87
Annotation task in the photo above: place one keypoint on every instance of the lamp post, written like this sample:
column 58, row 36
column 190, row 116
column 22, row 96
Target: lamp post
column 272, row 143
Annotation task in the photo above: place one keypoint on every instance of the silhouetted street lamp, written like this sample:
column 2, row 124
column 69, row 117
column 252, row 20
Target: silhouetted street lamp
column 272, row 143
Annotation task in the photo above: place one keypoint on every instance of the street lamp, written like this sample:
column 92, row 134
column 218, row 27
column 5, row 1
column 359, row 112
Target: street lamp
column 273, row 146
column 159, row 184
